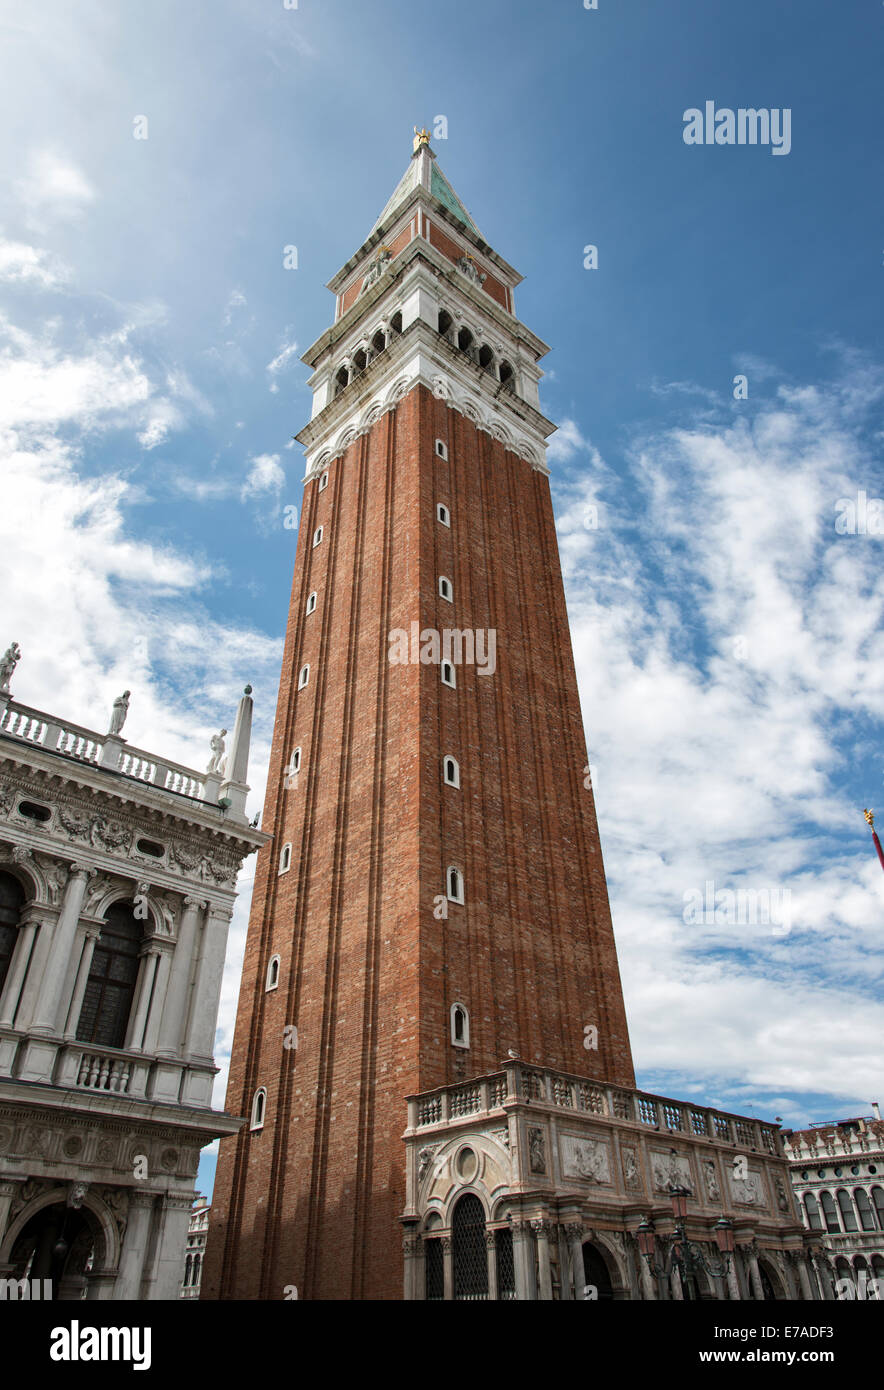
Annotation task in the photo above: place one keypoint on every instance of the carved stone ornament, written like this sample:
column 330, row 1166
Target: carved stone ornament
column 76, row 825
column 21, row 854
column 117, row 1200
column 536, row 1151
column 631, row 1178
column 26, row 1194
column 425, row 1158
column 76, row 1194
column 97, row 890
column 467, row 266
column 7, row 796
column 112, row 834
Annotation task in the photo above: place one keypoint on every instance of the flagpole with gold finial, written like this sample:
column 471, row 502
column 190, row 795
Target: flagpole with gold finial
column 869, row 815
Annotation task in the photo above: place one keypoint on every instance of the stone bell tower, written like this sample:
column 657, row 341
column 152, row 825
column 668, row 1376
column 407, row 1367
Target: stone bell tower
column 433, row 899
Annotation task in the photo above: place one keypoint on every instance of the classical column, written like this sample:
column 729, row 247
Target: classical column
column 49, row 1001
column 803, row 1277
column 491, row 1255
column 447, row 1268
column 542, row 1230
column 9, row 1188
column 200, row 1040
column 523, row 1259
column 158, row 996
column 28, row 928
column 143, row 991
column 135, row 1242
column 91, row 935
column 675, row 1281
column 574, row 1233
column 410, row 1253
column 733, row 1283
column 754, row 1272
column 167, row 1266
column 648, row 1280
column 175, row 1009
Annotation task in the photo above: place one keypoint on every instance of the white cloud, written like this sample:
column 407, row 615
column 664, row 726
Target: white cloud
column 53, row 188
column 566, row 442
column 23, row 264
column 266, row 476
column 727, row 640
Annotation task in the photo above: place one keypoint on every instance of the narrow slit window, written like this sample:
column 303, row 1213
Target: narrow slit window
column 448, row 677
column 446, row 589
column 273, row 973
column 317, row 536
column 285, row 859
column 323, row 482
column 259, row 1105
column 460, row 1026
column 454, row 879
column 443, row 514
column 311, row 602
column 441, row 448
column 303, row 676
column 450, row 772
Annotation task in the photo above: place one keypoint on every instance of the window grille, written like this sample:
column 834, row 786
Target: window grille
column 435, row 1271
column 506, row 1268
column 469, row 1250
column 107, row 1001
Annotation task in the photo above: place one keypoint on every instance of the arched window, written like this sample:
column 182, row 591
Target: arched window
column 396, row 323
column 259, row 1105
column 294, row 766
column 507, row 378
column 464, row 340
column 812, row 1211
column 273, row 972
column 188, row 1266
column 443, row 514
column 442, row 449
column 866, row 1219
column 285, row 859
column 454, row 882
column 303, row 676
column 323, row 481
column 317, row 537
column 486, row 358
column 12, row 897
column 460, row 1026
column 445, row 322
column 197, row 1263
column 379, row 341
column 107, row 1000
column 846, row 1206
column 342, row 379
column 829, row 1212
column 878, row 1273
column 359, row 361
column 446, row 588
column 877, row 1196
column 448, row 676
column 311, row 602
column 450, row 771
column 469, row 1252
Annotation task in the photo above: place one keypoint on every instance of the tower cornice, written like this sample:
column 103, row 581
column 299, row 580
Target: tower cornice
column 420, row 356
column 420, row 248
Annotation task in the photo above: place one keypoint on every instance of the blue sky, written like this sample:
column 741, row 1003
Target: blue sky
column 728, row 639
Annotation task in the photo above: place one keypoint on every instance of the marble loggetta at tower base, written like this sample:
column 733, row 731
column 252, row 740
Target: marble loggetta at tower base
column 430, row 946
column 117, row 882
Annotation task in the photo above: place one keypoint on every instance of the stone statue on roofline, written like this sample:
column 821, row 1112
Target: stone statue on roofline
column 217, row 760
column 120, row 710
column 8, row 662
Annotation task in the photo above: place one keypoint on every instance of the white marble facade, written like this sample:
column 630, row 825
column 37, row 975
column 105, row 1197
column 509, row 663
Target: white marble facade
column 99, row 1144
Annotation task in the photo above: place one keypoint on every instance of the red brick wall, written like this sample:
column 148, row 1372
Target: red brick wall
column 453, row 250
column 368, row 973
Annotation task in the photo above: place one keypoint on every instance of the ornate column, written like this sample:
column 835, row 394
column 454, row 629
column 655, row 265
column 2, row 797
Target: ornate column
column 447, row 1267
column 491, row 1254
column 542, row 1230
column 648, row 1281
column 523, row 1259
column 751, row 1251
column 158, row 998
column 800, row 1262
column 91, row 935
column 411, row 1251
column 676, row 1284
column 200, row 1040
column 175, row 1008
column 48, row 1005
column 135, row 1242
column 574, row 1234
column 9, row 1188
column 733, row 1283
column 143, row 990
column 28, row 927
